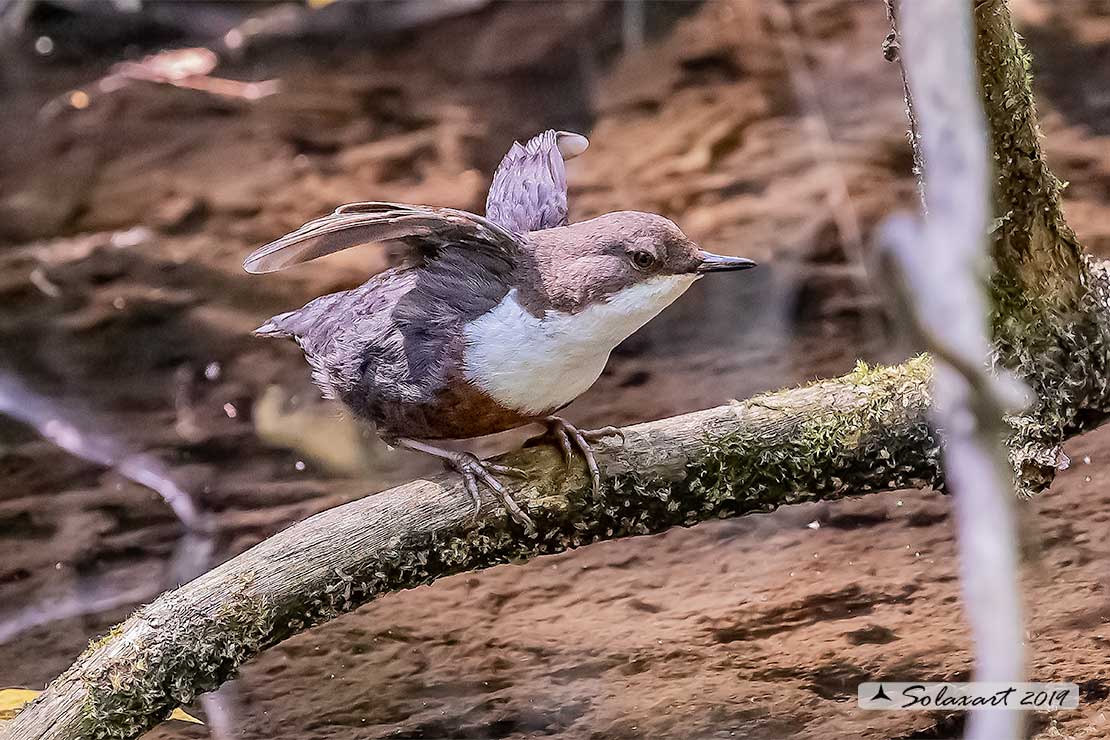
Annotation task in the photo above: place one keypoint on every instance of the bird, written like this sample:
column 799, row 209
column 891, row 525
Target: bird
column 491, row 323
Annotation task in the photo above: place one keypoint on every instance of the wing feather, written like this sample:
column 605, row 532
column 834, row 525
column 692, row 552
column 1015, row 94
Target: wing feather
column 423, row 228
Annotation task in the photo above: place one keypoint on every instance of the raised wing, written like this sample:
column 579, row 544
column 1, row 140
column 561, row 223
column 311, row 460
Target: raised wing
column 529, row 190
column 425, row 229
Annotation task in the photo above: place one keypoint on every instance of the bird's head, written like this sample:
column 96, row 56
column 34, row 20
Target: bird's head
column 640, row 261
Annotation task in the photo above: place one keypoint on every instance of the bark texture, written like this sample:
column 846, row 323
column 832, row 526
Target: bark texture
column 1051, row 302
column 867, row 431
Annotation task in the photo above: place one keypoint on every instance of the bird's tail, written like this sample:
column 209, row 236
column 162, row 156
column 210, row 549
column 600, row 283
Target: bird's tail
column 309, row 325
column 279, row 327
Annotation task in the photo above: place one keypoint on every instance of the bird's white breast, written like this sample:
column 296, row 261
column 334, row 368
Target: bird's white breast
column 538, row 364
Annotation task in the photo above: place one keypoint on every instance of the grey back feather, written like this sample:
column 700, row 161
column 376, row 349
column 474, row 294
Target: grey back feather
column 393, row 341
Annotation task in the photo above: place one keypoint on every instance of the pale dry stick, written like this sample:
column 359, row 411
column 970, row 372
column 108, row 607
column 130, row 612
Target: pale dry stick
column 632, row 25
column 948, row 281
column 864, row 432
column 222, row 709
column 59, row 425
column 188, row 68
column 184, row 68
column 54, row 609
column 191, row 68
column 13, row 16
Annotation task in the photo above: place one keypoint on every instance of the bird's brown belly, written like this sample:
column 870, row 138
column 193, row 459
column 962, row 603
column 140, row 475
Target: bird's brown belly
column 458, row 411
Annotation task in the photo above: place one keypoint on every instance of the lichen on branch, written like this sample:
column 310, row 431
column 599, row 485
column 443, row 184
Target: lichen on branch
column 1050, row 310
column 1050, row 314
column 867, row 431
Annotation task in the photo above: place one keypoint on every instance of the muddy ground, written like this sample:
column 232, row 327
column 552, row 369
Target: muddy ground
column 123, row 309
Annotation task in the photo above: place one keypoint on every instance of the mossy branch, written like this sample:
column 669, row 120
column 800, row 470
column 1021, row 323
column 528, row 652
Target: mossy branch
column 1051, row 314
column 1050, row 303
column 864, row 432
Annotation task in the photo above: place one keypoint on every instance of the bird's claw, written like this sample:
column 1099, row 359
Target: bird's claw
column 508, row 470
column 596, row 435
column 474, row 470
column 571, row 439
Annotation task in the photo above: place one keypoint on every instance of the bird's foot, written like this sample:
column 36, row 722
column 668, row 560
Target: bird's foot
column 571, row 439
column 474, row 470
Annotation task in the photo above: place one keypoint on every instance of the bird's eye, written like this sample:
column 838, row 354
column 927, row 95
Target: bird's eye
column 643, row 260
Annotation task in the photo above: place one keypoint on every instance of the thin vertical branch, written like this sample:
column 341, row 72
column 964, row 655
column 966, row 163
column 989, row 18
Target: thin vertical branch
column 633, row 24
column 819, row 136
column 943, row 267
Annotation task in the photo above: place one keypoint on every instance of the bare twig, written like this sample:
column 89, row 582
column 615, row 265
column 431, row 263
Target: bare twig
column 185, row 68
column 823, row 149
column 222, row 709
column 950, row 303
column 13, row 16
column 57, row 424
column 632, row 25
column 78, row 604
column 820, row 139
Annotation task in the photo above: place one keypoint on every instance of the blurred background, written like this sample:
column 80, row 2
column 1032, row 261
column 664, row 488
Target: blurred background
column 146, row 147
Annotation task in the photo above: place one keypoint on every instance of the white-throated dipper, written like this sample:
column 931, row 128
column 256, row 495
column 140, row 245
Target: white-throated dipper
column 493, row 322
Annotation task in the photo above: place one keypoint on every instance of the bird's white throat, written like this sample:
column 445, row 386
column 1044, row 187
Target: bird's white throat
column 538, row 364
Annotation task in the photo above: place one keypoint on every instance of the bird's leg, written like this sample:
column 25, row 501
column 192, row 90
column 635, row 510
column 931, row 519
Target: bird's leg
column 472, row 469
column 571, row 439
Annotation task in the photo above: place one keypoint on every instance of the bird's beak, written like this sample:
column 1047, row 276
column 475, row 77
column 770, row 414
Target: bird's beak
column 710, row 262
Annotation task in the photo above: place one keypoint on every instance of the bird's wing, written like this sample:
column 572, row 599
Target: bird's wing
column 529, row 190
column 424, row 229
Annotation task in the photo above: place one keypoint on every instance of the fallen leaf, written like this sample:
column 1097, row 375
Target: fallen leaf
column 183, row 716
column 11, row 700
